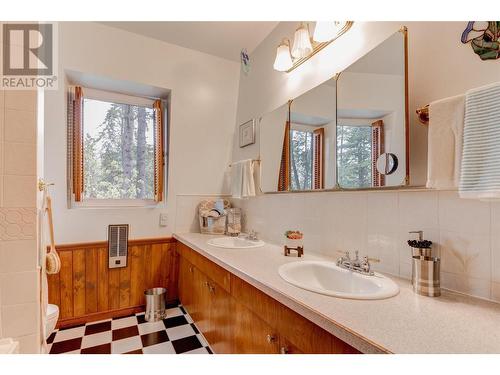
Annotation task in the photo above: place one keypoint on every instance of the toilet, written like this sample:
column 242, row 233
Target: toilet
column 52, row 316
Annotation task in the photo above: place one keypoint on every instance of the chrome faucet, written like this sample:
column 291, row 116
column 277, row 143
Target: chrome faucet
column 356, row 265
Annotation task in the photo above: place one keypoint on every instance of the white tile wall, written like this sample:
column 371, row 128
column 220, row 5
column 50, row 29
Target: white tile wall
column 19, row 305
column 465, row 233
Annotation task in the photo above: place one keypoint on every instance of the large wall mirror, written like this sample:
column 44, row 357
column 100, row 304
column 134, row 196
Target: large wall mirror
column 350, row 132
column 372, row 118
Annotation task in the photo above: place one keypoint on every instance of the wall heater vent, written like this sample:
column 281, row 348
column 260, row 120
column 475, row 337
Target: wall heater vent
column 117, row 245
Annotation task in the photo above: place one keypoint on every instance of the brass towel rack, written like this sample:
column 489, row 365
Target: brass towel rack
column 254, row 160
column 423, row 115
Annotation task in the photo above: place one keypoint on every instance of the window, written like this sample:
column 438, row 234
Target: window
column 117, row 148
column 354, row 156
column 301, row 159
column 306, row 158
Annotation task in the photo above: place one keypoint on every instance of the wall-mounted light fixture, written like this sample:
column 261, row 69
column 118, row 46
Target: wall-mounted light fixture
column 304, row 47
column 283, row 60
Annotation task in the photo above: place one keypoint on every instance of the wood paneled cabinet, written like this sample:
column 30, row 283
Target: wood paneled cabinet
column 236, row 317
column 252, row 334
column 208, row 304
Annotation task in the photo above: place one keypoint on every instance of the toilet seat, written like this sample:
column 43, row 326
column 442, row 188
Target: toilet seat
column 52, row 311
column 51, row 320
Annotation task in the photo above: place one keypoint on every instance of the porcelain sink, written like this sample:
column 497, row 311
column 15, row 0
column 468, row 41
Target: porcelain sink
column 235, row 243
column 329, row 279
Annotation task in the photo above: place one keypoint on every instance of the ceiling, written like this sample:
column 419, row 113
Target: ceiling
column 222, row 39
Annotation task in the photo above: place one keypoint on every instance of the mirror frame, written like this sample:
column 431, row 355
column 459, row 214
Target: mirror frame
column 406, row 183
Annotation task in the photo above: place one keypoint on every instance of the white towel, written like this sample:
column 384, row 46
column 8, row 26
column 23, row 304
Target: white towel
column 242, row 180
column 480, row 178
column 445, row 142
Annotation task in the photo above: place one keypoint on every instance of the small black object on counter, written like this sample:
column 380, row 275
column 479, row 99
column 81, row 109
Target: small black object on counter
column 420, row 244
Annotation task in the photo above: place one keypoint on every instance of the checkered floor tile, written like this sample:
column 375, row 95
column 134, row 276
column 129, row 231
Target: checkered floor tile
column 175, row 334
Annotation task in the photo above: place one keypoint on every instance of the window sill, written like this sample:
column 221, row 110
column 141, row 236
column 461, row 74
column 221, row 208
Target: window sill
column 116, row 203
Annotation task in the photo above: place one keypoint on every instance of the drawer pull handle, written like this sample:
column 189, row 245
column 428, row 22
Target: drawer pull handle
column 191, row 269
column 211, row 288
column 284, row 350
column 271, row 339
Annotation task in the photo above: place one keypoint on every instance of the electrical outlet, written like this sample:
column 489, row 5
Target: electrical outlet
column 163, row 220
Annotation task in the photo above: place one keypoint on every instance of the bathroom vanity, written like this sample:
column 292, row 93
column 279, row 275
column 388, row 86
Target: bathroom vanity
column 242, row 305
column 236, row 317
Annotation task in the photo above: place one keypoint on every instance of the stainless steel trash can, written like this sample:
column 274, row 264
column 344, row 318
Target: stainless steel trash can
column 155, row 304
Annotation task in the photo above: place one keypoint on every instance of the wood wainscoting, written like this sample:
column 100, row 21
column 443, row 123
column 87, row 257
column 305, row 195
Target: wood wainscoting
column 87, row 290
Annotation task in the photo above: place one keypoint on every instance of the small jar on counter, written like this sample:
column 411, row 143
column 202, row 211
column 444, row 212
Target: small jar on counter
column 233, row 226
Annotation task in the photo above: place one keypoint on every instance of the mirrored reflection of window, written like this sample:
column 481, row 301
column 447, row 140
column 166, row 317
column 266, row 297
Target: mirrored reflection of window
column 354, row 155
column 301, row 159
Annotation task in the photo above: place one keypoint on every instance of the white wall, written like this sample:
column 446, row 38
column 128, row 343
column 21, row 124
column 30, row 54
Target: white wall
column 466, row 233
column 203, row 106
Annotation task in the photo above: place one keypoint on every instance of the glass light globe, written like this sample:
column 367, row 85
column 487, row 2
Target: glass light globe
column 326, row 31
column 301, row 42
column 283, row 60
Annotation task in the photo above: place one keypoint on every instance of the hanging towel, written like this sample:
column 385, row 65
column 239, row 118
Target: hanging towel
column 445, row 142
column 248, row 183
column 242, row 180
column 480, row 177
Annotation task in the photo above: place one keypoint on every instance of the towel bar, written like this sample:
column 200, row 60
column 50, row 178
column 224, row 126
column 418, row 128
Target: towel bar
column 423, row 115
column 254, row 160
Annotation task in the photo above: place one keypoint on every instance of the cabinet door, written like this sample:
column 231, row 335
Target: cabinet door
column 193, row 293
column 201, row 314
column 253, row 335
column 220, row 333
column 286, row 347
column 186, row 284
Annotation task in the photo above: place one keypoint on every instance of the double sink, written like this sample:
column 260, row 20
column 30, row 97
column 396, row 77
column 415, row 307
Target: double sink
column 321, row 277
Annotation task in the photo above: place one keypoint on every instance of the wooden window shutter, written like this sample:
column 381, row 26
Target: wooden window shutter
column 75, row 109
column 284, row 176
column 159, row 160
column 318, row 158
column 378, row 141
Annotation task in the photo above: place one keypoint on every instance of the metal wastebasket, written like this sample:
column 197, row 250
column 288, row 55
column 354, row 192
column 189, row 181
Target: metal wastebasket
column 155, row 304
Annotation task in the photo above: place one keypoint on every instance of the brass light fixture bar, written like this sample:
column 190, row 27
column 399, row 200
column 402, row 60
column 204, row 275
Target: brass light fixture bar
column 319, row 46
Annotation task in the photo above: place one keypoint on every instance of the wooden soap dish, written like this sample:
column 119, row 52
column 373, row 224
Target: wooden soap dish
column 299, row 249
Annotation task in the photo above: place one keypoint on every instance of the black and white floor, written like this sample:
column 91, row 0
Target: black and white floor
column 175, row 334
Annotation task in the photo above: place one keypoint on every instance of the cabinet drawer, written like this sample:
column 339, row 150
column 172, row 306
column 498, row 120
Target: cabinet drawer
column 218, row 274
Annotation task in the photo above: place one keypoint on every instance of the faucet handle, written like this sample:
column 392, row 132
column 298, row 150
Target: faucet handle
column 252, row 235
column 345, row 254
column 371, row 260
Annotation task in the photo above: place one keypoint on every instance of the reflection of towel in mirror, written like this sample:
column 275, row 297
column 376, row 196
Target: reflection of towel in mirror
column 480, row 176
column 445, row 142
column 242, row 180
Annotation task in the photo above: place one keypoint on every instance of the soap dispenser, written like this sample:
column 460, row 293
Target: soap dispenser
column 426, row 277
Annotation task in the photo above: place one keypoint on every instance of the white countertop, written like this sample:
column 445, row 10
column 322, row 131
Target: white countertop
column 406, row 323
